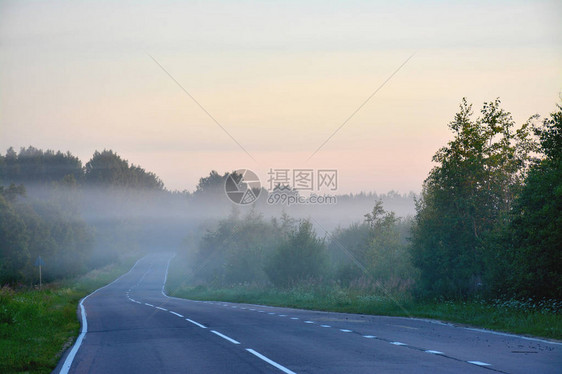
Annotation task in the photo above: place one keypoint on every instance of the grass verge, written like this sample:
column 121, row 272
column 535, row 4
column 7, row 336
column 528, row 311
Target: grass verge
column 36, row 326
column 543, row 319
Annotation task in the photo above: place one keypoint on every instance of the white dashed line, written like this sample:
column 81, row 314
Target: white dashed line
column 148, row 304
column 345, row 330
column 325, row 326
column 434, row 352
column 271, row 313
column 282, row 315
column 271, row 362
column 369, row 336
column 177, row 314
column 479, row 363
column 397, row 343
column 308, row 322
column 195, row 323
column 225, row 337
column 164, row 309
column 294, row 317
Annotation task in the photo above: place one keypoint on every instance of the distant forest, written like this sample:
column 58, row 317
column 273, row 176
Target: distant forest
column 488, row 222
column 78, row 217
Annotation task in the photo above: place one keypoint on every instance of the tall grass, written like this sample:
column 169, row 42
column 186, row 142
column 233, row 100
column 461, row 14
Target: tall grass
column 522, row 317
column 36, row 326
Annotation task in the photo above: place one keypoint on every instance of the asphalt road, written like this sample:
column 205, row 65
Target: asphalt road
column 132, row 327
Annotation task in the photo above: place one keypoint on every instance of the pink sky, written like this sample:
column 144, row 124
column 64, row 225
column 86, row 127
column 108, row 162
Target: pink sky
column 279, row 78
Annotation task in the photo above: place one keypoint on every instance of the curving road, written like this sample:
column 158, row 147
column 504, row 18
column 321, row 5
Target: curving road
column 131, row 326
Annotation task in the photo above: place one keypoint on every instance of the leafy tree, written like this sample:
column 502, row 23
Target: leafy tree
column 14, row 240
column 536, row 227
column 387, row 256
column 236, row 250
column 301, row 257
column 350, row 241
column 211, row 185
column 32, row 166
column 253, row 239
column 465, row 196
column 109, row 169
column 31, row 227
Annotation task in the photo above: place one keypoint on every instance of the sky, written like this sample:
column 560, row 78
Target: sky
column 266, row 83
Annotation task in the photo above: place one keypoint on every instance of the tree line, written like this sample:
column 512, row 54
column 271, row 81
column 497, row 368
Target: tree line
column 283, row 252
column 52, row 206
column 489, row 220
column 35, row 166
column 488, row 224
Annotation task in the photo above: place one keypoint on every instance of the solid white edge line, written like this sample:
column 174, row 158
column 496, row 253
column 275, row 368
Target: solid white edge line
column 70, row 358
column 225, row 337
column 271, row 362
column 195, row 323
column 418, row 319
column 512, row 335
column 166, row 276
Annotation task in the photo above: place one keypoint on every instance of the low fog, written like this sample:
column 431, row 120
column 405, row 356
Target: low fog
column 78, row 217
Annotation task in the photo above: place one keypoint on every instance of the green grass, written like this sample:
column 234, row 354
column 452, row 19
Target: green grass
column 543, row 319
column 36, row 326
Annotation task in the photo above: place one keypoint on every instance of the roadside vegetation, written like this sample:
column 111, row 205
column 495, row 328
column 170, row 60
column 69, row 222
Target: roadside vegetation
column 484, row 248
column 38, row 325
column 541, row 319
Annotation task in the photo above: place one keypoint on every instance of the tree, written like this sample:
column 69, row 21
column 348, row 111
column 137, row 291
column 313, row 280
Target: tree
column 109, row 169
column 301, row 257
column 465, row 196
column 35, row 166
column 535, row 231
column 14, row 240
column 387, row 257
